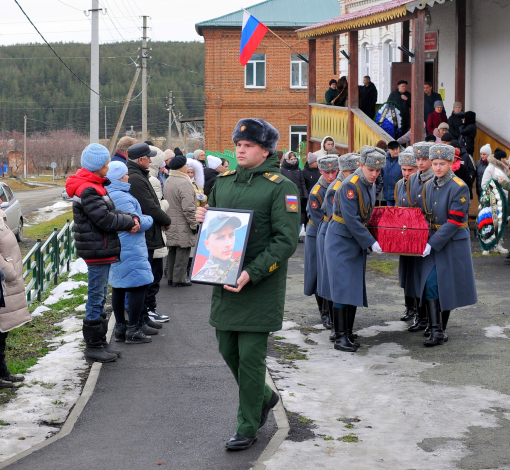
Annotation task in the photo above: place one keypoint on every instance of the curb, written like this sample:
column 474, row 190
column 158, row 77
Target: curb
column 281, row 434
column 68, row 426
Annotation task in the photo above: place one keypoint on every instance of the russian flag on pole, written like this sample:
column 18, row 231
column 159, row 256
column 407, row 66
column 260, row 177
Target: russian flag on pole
column 251, row 36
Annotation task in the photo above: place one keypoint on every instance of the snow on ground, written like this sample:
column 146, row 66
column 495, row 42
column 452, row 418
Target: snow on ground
column 78, row 267
column 40, row 311
column 52, row 388
column 287, row 325
column 62, row 291
column 49, row 212
column 494, row 331
column 376, row 329
column 377, row 388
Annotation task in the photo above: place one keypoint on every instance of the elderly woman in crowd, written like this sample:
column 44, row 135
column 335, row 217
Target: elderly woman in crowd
column 199, row 155
column 196, row 175
column 13, row 303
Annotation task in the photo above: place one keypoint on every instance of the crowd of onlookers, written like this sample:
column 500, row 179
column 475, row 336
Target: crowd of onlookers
column 135, row 221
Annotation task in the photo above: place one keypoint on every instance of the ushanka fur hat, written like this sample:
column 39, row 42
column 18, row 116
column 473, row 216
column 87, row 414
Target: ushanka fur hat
column 349, row 162
column 422, row 149
column 407, row 157
column 258, row 131
column 373, row 157
column 328, row 163
column 442, row 151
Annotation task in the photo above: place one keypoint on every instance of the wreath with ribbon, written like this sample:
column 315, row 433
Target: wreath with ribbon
column 492, row 215
column 389, row 118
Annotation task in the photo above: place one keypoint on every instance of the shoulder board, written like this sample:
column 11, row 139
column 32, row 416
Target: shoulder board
column 458, row 181
column 337, row 185
column 316, row 188
column 273, row 177
column 354, row 179
column 400, row 180
column 228, row 173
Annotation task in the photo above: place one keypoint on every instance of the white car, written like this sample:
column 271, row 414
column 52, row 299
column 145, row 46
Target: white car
column 12, row 208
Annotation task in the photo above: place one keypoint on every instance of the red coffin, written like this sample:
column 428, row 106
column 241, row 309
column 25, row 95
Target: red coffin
column 399, row 230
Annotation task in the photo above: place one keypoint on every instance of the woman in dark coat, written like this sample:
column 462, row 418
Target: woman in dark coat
column 456, row 120
column 468, row 132
column 311, row 172
column 290, row 169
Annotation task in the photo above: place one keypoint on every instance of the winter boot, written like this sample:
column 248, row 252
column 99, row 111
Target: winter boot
column 324, row 309
column 340, row 321
column 420, row 319
column 500, row 249
column 134, row 335
column 351, row 315
column 410, row 310
column 436, row 327
column 331, row 319
column 120, row 332
column 106, row 345
column 94, row 349
column 445, row 316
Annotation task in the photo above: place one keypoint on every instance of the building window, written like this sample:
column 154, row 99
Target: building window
column 298, row 71
column 390, row 53
column 297, row 135
column 255, row 72
column 367, row 60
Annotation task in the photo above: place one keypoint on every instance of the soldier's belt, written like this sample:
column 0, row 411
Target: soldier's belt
column 341, row 220
column 437, row 227
column 311, row 223
column 326, row 219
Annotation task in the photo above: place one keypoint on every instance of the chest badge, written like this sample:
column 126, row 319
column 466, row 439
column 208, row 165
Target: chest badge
column 462, row 199
column 350, row 194
column 314, row 205
column 291, row 203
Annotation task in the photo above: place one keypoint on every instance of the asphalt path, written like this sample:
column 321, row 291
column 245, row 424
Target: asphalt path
column 33, row 200
column 172, row 401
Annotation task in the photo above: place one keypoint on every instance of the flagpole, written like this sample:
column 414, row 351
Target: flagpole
column 281, row 39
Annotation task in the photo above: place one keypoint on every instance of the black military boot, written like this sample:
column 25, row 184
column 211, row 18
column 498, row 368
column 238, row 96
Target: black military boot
column 93, row 336
column 420, row 320
column 445, row 316
column 120, row 332
column 351, row 315
column 436, row 327
column 331, row 318
column 322, row 304
column 106, row 345
column 341, row 323
column 410, row 310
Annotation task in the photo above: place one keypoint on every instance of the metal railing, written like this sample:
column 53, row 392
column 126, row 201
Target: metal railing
column 45, row 262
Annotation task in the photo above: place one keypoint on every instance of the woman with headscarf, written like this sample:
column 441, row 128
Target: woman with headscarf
column 196, row 175
column 199, row 155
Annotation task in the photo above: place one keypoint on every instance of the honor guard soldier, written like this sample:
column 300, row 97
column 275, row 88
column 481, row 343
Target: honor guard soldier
column 348, row 164
column 447, row 277
column 244, row 316
column 407, row 272
column 415, row 185
column 347, row 240
column 328, row 167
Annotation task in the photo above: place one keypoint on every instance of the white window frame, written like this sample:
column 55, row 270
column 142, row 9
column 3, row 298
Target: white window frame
column 254, row 62
column 300, row 134
column 367, row 58
column 302, row 64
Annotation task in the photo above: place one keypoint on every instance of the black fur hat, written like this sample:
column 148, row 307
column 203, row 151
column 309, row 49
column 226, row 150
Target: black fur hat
column 258, row 131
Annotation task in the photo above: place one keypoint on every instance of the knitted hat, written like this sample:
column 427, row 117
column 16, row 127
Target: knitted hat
column 447, row 138
column 258, row 131
column 438, row 103
column 393, row 145
column 373, row 157
column 213, row 162
column 178, row 151
column 116, row 170
column 349, row 162
column 197, row 153
column 486, row 149
column 328, row 163
column 312, row 158
column 400, row 82
column 177, row 162
column 457, row 103
column 407, row 157
column 169, row 154
column 443, row 125
column 442, row 151
column 94, row 157
column 422, row 149
column 499, row 154
column 430, row 138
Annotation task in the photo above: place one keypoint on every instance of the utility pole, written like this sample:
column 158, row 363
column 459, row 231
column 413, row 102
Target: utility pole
column 25, row 146
column 145, row 54
column 94, row 74
column 170, row 106
column 105, row 133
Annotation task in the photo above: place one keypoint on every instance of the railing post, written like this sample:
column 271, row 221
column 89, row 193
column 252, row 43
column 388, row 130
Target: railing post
column 68, row 245
column 56, row 256
column 39, row 271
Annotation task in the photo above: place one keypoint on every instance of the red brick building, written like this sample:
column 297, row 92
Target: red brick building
column 273, row 85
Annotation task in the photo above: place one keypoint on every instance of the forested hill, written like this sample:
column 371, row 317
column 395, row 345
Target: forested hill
column 34, row 82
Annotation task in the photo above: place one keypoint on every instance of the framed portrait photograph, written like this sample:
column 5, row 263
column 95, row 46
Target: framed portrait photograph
column 221, row 246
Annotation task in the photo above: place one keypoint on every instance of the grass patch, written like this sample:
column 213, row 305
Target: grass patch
column 303, row 419
column 328, row 438
column 59, row 180
column 80, row 277
column 18, row 185
column 279, row 337
column 349, row 426
column 349, row 438
column 44, row 229
column 480, row 255
column 383, row 267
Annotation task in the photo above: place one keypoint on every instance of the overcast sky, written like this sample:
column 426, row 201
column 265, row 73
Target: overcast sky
column 170, row 20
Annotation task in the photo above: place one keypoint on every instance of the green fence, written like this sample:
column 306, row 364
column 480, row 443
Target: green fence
column 45, row 262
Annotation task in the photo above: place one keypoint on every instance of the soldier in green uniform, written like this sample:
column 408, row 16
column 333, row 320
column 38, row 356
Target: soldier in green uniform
column 220, row 238
column 244, row 316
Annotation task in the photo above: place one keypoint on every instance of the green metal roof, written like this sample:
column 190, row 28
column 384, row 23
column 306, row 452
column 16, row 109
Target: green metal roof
column 282, row 13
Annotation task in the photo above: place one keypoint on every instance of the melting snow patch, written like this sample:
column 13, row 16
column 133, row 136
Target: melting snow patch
column 50, row 212
column 376, row 329
column 59, row 292
column 287, row 325
column 78, row 266
column 81, row 308
column 394, row 409
column 494, row 331
column 40, row 311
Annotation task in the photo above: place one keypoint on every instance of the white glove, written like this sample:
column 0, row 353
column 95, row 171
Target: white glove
column 427, row 251
column 376, row 248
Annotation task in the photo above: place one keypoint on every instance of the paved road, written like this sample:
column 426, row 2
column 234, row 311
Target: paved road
column 173, row 401
column 33, row 200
